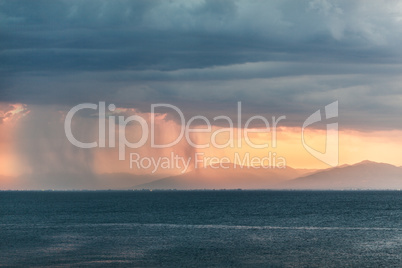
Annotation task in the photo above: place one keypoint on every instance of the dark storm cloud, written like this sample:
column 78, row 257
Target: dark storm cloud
column 161, row 35
column 278, row 57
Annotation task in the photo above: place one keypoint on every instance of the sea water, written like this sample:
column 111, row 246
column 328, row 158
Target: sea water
column 201, row 228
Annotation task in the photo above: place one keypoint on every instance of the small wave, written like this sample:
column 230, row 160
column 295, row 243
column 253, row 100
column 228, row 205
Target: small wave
column 247, row 227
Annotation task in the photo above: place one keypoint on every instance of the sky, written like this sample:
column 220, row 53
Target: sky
column 277, row 58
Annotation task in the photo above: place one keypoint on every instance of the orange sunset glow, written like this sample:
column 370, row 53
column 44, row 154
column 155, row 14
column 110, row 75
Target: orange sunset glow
column 354, row 146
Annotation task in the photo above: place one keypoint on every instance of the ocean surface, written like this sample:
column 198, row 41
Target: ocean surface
column 201, row 229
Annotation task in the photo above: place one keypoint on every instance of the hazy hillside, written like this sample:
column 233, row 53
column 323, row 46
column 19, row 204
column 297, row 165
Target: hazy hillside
column 230, row 177
column 364, row 175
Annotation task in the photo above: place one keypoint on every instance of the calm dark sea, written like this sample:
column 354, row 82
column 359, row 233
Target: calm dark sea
column 201, row 228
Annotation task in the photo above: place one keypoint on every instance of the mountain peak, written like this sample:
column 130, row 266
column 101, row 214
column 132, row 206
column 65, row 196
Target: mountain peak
column 365, row 162
column 372, row 163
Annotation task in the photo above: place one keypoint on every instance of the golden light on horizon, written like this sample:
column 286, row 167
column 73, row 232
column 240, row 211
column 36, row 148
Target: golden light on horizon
column 354, row 146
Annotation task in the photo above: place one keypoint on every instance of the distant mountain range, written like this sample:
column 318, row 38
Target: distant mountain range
column 230, row 176
column 364, row 175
